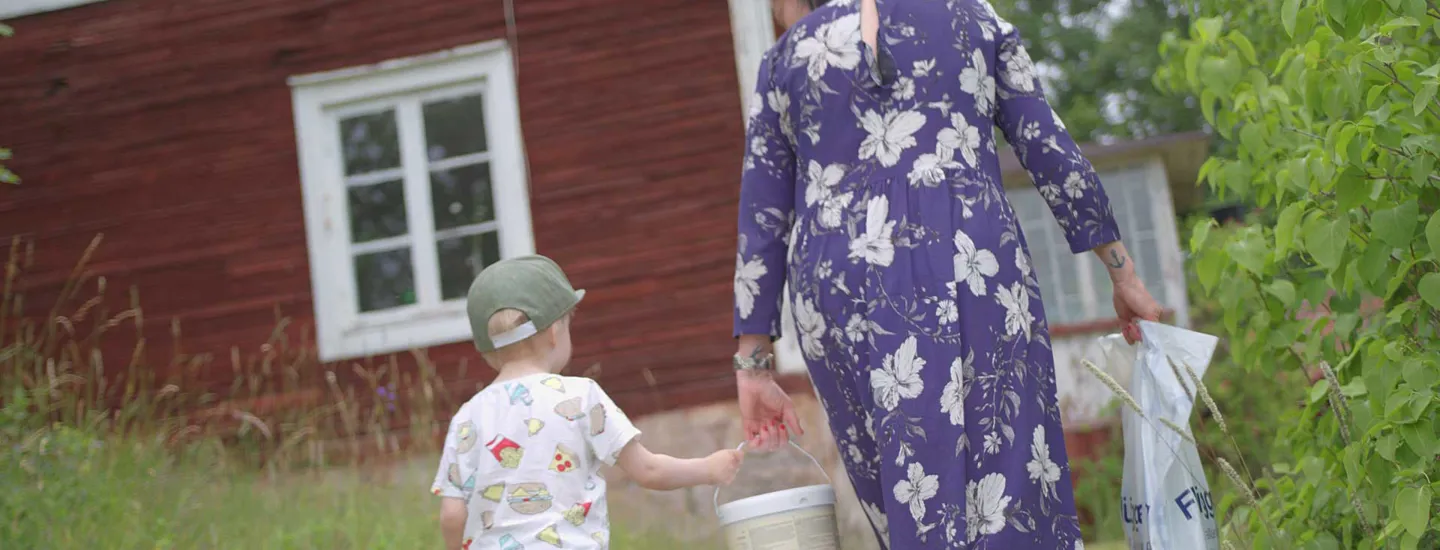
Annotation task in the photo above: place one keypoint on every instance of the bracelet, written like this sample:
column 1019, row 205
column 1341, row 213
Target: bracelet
column 765, row 363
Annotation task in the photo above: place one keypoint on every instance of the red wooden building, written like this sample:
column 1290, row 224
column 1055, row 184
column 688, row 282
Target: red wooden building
column 352, row 163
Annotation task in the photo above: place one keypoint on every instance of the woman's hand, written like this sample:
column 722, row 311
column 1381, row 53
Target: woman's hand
column 1132, row 301
column 766, row 412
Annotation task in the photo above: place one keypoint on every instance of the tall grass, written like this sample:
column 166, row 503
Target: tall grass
column 102, row 445
column 82, row 365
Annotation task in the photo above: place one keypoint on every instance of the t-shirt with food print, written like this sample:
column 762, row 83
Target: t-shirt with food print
column 525, row 456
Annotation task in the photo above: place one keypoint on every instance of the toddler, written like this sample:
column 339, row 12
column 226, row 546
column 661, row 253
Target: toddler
column 521, row 462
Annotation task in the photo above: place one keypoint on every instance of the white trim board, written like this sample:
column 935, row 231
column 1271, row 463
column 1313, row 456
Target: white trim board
column 14, row 9
column 753, row 28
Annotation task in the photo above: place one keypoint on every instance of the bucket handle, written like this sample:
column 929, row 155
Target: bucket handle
column 792, row 444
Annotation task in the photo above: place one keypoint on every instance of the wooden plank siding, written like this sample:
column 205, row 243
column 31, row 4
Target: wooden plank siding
column 167, row 126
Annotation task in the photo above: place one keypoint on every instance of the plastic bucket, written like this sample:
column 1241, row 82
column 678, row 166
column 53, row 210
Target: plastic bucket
column 802, row 518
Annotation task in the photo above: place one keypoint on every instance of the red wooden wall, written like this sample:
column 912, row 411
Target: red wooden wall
column 167, row 126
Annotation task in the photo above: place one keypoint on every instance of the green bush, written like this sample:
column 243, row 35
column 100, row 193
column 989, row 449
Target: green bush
column 1330, row 108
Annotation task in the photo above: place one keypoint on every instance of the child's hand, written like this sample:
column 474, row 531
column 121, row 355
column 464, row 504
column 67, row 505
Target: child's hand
column 723, row 465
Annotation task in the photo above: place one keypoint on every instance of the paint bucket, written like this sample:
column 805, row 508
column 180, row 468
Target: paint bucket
column 802, row 518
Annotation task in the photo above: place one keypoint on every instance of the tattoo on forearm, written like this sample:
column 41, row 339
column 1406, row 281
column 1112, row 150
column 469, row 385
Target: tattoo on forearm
column 757, row 353
column 1116, row 261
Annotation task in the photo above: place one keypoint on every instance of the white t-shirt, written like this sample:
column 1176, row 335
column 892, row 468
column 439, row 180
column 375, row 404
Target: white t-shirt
column 525, row 456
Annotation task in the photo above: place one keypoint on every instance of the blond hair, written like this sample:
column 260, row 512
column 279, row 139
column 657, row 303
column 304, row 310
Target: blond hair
column 504, row 321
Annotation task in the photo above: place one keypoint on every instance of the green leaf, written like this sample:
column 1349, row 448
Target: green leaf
column 1342, row 142
column 1246, row 48
column 1395, row 402
column 1398, row 277
column 6, row 31
column 1420, row 375
column 1374, row 94
column 1326, row 240
column 1207, row 105
column 1396, row 225
column 1373, row 263
column 1250, row 253
column 1432, row 234
column 1351, row 190
column 1354, row 388
column 1420, row 170
column 1397, row 23
column 1424, row 97
column 1285, row 228
column 1209, row 28
column 1336, row 9
column 1420, row 437
column 1385, row 446
column 1412, row 506
column 1208, row 268
column 1192, row 65
column 1282, row 290
column 1287, row 16
column 1200, row 234
column 1430, row 289
column 1415, row 409
column 1319, row 391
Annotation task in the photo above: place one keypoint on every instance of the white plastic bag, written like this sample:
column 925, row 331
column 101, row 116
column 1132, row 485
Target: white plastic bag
column 1165, row 500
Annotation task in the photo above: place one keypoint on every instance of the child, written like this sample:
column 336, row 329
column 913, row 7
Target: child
column 521, row 462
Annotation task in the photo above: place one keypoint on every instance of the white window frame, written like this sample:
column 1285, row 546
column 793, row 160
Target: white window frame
column 13, row 9
column 1171, row 292
column 319, row 100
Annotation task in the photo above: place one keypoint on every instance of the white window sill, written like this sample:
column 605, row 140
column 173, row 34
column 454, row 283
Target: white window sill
column 13, row 9
column 397, row 331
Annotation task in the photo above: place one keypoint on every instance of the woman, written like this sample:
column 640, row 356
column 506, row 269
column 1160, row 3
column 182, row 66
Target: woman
column 872, row 187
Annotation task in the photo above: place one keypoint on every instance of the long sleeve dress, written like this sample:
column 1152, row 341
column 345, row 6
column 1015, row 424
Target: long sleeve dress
column 872, row 188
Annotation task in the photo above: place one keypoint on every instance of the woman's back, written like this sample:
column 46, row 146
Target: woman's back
column 937, row 60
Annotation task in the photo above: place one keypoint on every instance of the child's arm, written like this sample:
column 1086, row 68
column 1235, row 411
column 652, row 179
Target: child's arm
column 660, row 472
column 452, row 522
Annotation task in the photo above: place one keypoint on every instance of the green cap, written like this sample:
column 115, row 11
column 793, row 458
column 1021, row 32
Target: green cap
column 534, row 285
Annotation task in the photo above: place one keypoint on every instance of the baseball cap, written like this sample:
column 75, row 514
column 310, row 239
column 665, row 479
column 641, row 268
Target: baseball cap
column 533, row 284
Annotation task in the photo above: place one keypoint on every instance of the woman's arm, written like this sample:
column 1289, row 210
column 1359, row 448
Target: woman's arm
column 1064, row 177
column 1117, row 261
column 1044, row 147
column 659, row 472
column 767, row 210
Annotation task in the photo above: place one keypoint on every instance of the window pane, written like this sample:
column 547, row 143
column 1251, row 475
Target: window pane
column 461, row 196
column 384, row 280
column 455, row 127
column 377, row 211
column 1104, row 290
column 370, row 142
column 462, row 258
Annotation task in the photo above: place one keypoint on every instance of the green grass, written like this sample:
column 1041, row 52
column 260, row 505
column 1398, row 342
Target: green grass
column 129, row 495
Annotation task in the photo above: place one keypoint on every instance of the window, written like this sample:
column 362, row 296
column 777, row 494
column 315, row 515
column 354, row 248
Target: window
column 414, row 180
column 1141, row 202
column 11, row 9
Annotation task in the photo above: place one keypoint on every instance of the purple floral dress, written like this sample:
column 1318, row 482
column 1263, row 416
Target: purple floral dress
column 872, row 189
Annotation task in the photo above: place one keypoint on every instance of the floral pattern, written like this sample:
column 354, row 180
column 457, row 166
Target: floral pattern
column 871, row 191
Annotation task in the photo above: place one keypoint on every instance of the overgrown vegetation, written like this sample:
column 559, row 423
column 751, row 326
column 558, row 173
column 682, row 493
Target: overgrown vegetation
column 289, row 454
column 6, row 176
column 1331, row 109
